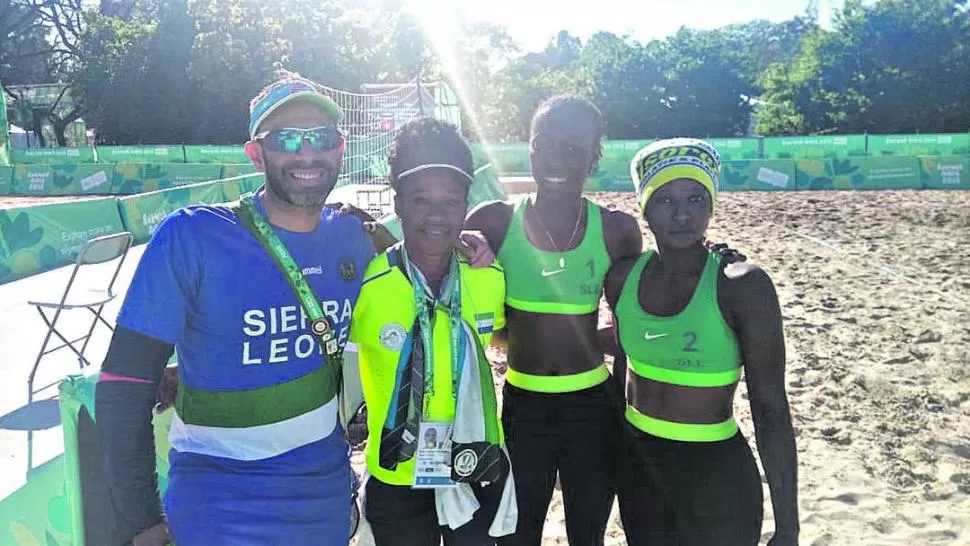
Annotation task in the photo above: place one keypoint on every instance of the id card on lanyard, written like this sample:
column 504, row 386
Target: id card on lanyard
column 433, row 455
column 432, row 463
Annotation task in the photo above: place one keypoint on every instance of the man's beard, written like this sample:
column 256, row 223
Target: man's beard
column 283, row 188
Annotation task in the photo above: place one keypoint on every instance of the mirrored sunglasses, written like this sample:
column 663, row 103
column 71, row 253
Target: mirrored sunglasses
column 290, row 140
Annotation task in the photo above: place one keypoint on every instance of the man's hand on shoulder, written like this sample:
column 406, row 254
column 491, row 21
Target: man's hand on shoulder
column 382, row 237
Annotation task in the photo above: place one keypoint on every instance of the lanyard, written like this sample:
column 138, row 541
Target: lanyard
column 320, row 324
column 423, row 299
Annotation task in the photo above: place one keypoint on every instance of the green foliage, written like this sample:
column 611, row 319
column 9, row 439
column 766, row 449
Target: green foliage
column 896, row 66
column 183, row 71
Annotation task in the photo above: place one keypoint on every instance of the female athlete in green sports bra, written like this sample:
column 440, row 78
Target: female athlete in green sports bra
column 689, row 325
column 556, row 246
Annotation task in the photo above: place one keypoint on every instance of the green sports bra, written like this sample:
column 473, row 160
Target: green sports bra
column 694, row 348
column 541, row 281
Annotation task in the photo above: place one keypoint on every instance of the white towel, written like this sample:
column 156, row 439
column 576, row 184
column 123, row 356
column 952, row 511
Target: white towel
column 457, row 505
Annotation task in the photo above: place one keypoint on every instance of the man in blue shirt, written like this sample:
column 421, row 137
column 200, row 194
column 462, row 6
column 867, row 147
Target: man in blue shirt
column 258, row 456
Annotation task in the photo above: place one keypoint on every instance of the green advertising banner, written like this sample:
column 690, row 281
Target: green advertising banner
column 916, row 145
column 141, row 214
column 613, row 171
column 215, row 154
column 63, row 179
column 859, row 173
column 78, row 418
column 733, row 149
column 946, row 172
column 234, row 170
column 814, row 147
column 38, row 238
column 486, row 187
column 232, row 188
column 509, row 158
column 140, row 154
column 52, row 155
column 758, row 175
column 6, row 178
column 478, row 155
column 141, row 178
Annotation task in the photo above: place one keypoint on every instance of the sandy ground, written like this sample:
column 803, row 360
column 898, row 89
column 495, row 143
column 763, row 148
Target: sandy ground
column 876, row 320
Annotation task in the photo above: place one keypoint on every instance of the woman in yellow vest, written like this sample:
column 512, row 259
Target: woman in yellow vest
column 435, row 456
column 689, row 324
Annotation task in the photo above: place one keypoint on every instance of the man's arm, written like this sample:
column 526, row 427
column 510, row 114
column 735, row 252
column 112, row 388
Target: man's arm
column 756, row 317
column 151, row 321
column 124, row 399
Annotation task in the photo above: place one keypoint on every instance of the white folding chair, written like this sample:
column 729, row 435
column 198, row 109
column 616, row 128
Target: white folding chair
column 100, row 250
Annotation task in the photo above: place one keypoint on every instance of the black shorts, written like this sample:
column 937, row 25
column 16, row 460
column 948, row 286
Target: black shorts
column 689, row 493
column 574, row 435
column 401, row 516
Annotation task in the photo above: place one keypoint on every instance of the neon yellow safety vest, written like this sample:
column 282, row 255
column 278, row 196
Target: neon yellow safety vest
column 383, row 317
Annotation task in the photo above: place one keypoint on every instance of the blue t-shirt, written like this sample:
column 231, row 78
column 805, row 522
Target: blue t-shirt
column 206, row 285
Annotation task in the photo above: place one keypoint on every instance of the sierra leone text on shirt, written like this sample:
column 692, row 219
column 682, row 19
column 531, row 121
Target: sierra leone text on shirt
column 276, row 322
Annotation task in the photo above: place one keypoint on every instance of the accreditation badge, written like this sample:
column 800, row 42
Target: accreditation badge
column 432, row 468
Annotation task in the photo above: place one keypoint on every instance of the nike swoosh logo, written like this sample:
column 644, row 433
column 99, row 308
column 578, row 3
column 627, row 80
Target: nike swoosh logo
column 648, row 336
column 551, row 273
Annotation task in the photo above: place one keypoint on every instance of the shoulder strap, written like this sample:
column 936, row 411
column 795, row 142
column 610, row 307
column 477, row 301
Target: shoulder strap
column 320, row 324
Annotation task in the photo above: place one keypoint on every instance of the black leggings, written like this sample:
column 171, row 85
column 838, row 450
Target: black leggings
column 401, row 516
column 575, row 434
column 689, row 493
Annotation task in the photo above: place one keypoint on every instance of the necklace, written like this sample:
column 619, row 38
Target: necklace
column 562, row 253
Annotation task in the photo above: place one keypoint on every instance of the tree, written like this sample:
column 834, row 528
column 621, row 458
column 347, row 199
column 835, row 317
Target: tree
column 184, row 72
column 24, row 50
column 897, row 66
column 38, row 45
column 625, row 80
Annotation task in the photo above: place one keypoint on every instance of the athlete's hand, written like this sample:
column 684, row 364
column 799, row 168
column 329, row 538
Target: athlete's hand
column 156, row 535
column 474, row 246
column 728, row 254
column 167, row 389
